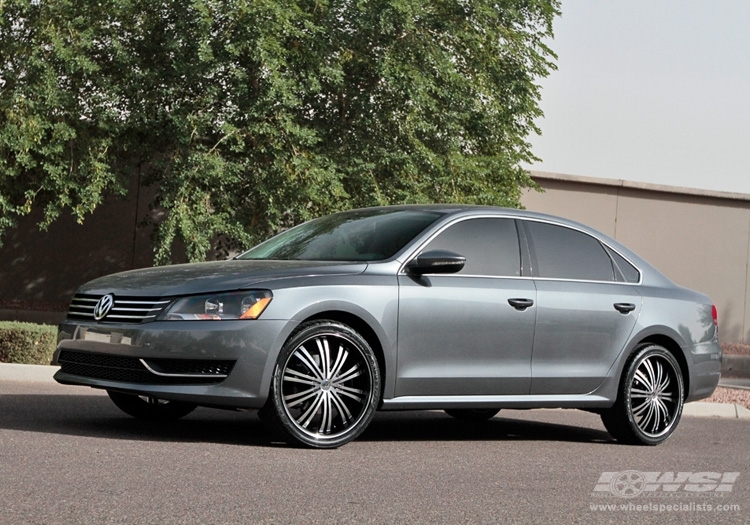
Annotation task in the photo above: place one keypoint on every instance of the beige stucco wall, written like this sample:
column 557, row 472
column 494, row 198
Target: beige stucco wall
column 699, row 239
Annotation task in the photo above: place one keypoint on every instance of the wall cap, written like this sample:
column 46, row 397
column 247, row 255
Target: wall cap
column 619, row 183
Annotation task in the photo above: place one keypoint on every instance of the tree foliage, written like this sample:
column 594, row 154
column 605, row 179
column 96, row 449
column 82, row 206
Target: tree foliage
column 251, row 115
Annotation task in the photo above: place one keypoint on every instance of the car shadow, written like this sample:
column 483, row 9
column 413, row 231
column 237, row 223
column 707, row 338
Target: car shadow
column 438, row 426
column 96, row 416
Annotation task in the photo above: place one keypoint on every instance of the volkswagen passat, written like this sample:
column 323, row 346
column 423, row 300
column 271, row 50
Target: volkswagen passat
column 465, row 309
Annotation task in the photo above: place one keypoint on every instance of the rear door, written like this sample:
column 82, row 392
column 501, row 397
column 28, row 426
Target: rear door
column 586, row 308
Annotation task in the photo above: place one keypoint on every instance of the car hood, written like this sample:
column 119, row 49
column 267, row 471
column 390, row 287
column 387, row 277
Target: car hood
column 196, row 278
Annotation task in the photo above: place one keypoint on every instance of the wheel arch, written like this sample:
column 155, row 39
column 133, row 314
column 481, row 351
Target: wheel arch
column 674, row 348
column 361, row 326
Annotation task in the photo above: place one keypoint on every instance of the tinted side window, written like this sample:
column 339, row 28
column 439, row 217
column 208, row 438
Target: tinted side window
column 562, row 253
column 625, row 272
column 489, row 245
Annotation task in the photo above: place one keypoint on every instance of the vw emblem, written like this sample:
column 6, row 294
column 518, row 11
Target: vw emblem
column 103, row 306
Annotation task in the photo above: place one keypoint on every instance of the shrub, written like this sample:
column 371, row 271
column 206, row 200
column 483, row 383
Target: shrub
column 27, row 343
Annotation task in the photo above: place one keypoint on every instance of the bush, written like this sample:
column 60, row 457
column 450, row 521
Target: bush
column 27, row 343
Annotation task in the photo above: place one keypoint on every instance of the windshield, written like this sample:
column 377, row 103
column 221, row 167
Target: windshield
column 360, row 235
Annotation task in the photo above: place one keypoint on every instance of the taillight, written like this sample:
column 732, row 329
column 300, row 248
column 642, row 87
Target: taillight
column 715, row 315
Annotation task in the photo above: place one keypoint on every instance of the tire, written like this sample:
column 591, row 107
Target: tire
column 325, row 387
column 150, row 408
column 472, row 414
column 649, row 400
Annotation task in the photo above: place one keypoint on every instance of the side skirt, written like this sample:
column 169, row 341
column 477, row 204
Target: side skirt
column 518, row 402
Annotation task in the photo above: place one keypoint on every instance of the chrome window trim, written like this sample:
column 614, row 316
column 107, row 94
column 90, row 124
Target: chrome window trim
column 585, row 281
column 528, row 278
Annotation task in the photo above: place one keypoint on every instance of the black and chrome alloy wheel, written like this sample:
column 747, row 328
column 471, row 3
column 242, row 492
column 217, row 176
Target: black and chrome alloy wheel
column 650, row 400
column 326, row 386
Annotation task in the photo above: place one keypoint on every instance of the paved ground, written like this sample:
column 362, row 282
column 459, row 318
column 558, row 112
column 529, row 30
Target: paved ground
column 67, row 455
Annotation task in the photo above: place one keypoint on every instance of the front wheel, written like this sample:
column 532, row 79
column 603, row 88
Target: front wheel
column 150, row 408
column 650, row 398
column 325, row 388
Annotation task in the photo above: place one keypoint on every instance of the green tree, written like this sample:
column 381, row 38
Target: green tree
column 251, row 115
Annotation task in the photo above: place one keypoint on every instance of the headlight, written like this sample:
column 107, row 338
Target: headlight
column 215, row 307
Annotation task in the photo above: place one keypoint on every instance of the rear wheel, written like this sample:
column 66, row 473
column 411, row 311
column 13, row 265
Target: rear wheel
column 150, row 408
column 472, row 414
column 325, row 388
column 650, row 399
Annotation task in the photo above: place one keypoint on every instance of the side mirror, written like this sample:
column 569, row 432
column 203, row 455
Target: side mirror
column 436, row 261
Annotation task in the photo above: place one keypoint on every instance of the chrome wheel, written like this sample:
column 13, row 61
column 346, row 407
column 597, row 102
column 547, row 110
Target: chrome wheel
column 326, row 385
column 654, row 395
column 650, row 399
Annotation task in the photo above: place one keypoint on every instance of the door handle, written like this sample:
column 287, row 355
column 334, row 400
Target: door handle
column 624, row 308
column 520, row 304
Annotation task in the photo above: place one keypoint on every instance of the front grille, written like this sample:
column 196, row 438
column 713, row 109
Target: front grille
column 144, row 371
column 125, row 309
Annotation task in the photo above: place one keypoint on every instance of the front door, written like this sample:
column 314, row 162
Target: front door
column 459, row 334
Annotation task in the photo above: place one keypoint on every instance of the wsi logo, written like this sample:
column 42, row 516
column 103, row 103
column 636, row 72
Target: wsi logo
column 103, row 306
column 631, row 483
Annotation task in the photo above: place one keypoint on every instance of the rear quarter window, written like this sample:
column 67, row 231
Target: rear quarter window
column 624, row 271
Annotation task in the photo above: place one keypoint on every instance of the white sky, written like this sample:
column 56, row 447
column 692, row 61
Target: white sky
column 650, row 90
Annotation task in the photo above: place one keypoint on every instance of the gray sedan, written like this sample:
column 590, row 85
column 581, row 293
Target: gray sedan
column 464, row 309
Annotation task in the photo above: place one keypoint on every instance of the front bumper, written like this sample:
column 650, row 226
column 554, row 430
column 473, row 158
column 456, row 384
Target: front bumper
column 210, row 363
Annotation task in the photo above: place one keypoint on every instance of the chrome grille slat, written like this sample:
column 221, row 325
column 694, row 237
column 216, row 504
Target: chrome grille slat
column 135, row 309
column 131, row 310
column 141, row 302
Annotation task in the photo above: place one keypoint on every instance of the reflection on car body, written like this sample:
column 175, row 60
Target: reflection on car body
column 460, row 308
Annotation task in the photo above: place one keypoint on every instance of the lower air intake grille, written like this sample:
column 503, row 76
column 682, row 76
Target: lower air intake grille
column 144, row 371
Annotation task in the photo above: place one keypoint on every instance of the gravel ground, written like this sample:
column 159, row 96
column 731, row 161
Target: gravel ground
column 731, row 395
column 735, row 349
